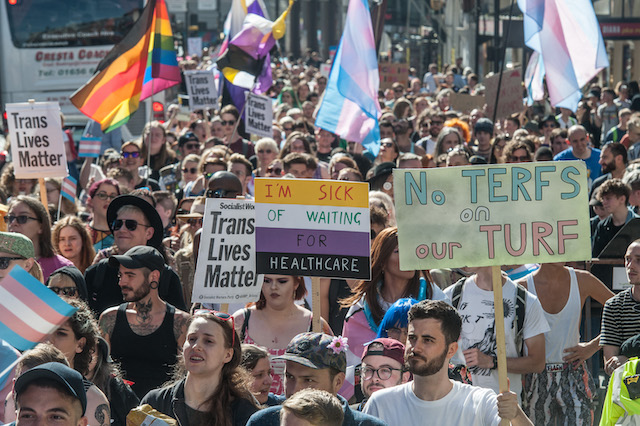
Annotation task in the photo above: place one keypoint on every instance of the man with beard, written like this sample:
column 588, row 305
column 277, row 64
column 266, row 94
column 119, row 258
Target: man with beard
column 613, row 161
column 434, row 329
column 144, row 332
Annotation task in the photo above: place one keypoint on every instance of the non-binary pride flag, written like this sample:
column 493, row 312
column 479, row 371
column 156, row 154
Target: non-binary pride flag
column 568, row 48
column 89, row 147
column 350, row 105
column 69, row 188
column 142, row 64
column 29, row 311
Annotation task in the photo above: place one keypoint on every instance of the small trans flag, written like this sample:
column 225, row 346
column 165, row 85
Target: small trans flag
column 89, row 147
column 69, row 187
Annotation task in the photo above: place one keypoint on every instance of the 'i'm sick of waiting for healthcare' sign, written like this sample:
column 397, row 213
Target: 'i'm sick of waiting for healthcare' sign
column 314, row 228
column 492, row 215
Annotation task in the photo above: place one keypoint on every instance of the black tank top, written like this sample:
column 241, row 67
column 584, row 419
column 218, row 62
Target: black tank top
column 145, row 360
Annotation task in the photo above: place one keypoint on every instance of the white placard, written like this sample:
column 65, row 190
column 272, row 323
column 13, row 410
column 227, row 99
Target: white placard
column 207, row 5
column 258, row 117
column 37, row 144
column 201, row 87
column 226, row 269
column 177, row 6
column 325, row 69
column 620, row 280
column 194, row 46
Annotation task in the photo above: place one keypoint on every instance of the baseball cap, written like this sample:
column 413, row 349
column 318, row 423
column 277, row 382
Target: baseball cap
column 385, row 346
column 187, row 137
column 318, row 351
column 139, row 257
column 18, row 244
column 69, row 378
column 483, row 125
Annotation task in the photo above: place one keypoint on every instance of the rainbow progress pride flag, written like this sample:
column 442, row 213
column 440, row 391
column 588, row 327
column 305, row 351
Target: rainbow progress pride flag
column 142, row 64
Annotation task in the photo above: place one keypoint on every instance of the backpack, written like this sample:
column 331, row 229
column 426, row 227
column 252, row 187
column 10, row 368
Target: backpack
column 521, row 303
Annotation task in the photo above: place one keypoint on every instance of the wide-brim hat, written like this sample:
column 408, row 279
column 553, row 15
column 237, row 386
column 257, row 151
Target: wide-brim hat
column 147, row 209
column 196, row 211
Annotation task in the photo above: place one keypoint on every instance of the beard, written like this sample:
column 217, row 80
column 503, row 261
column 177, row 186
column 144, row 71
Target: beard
column 608, row 168
column 139, row 293
column 426, row 368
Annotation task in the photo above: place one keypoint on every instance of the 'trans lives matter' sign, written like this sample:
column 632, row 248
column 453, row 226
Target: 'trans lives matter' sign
column 37, row 144
column 492, row 215
column 258, row 119
column 201, row 87
column 314, row 228
column 226, row 269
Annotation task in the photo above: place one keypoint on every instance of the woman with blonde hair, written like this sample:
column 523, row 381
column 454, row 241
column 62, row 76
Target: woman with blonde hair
column 72, row 240
column 154, row 137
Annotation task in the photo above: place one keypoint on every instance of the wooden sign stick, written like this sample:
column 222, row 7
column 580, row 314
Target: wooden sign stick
column 316, row 324
column 501, row 345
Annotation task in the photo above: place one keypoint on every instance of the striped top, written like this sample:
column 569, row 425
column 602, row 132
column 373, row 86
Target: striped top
column 620, row 319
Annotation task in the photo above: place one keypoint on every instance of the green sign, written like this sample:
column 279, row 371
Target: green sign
column 492, row 215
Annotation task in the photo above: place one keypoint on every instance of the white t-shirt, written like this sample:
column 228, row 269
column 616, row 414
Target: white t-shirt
column 464, row 405
column 478, row 331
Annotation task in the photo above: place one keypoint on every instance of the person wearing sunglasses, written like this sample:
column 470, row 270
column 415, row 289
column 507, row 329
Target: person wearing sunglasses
column 16, row 249
column 209, row 391
column 144, row 320
column 176, row 176
column 266, row 152
column 134, row 222
column 69, row 282
column 224, row 185
column 233, row 132
column 29, row 217
column 101, row 193
column 131, row 159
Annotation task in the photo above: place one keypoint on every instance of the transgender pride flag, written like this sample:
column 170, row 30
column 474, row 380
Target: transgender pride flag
column 350, row 106
column 69, row 188
column 29, row 311
column 568, row 48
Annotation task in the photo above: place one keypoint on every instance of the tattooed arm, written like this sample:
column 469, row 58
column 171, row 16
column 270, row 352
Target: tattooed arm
column 180, row 325
column 107, row 322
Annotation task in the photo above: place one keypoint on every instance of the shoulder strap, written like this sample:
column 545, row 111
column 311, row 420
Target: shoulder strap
column 456, row 295
column 245, row 148
column 245, row 323
column 521, row 304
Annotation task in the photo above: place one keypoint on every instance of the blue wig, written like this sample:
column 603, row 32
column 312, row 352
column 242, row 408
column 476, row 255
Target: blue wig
column 396, row 316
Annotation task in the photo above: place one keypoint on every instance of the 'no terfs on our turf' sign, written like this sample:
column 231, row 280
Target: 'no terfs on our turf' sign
column 492, row 215
column 313, row 228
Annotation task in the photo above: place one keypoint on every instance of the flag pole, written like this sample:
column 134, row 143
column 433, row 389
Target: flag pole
column 60, row 202
column 504, row 54
column 149, row 136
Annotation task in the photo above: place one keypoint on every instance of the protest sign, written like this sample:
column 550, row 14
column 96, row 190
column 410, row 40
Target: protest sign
column 37, row 144
column 510, row 97
column 194, row 46
column 201, row 88
column 258, row 117
column 226, row 268
column 492, row 215
column 392, row 73
column 313, row 228
column 466, row 103
column 325, row 69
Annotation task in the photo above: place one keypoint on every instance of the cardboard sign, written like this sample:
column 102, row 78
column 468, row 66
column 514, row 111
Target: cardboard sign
column 201, row 87
column 37, row 143
column 465, row 103
column 492, row 215
column 226, row 269
column 391, row 73
column 316, row 228
column 258, row 119
column 510, row 97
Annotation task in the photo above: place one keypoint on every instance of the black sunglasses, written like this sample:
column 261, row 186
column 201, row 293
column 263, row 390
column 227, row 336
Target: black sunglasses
column 220, row 193
column 192, row 170
column 66, row 291
column 5, row 260
column 194, row 221
column 228, row 123
column 131, row 224
column 192, row 146
column 22, row 219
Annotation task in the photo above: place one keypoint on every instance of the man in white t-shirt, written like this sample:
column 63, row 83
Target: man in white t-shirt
column 433, row 333
column 525, row 347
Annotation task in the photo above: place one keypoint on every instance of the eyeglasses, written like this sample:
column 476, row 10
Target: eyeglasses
column 134, row 154
column 208, row 175
column 276, row 170
column 424, row 125
column 287, row 129
column 22, row 219
column 384, row 373
column 191, row 170
column 5, row 260
column 131, row 224
column 66, row 291
column 386, row 144
column 192, row 146
column 228, row 123
column 194, row 221
column 224, row 317
column 264, row 151
column 220, row 193
column 104, row 196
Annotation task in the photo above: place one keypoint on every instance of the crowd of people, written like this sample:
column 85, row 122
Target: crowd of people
column 405, row 347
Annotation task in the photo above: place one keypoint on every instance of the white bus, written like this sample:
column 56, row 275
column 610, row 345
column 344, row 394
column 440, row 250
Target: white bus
column 50, row 48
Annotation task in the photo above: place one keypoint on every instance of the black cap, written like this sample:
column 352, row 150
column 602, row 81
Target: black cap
column 382, row 169
column 483, row 125
column 69, row 378
column 147, row 209
column 187, row 137
column 139, row 257
column 549, row 117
